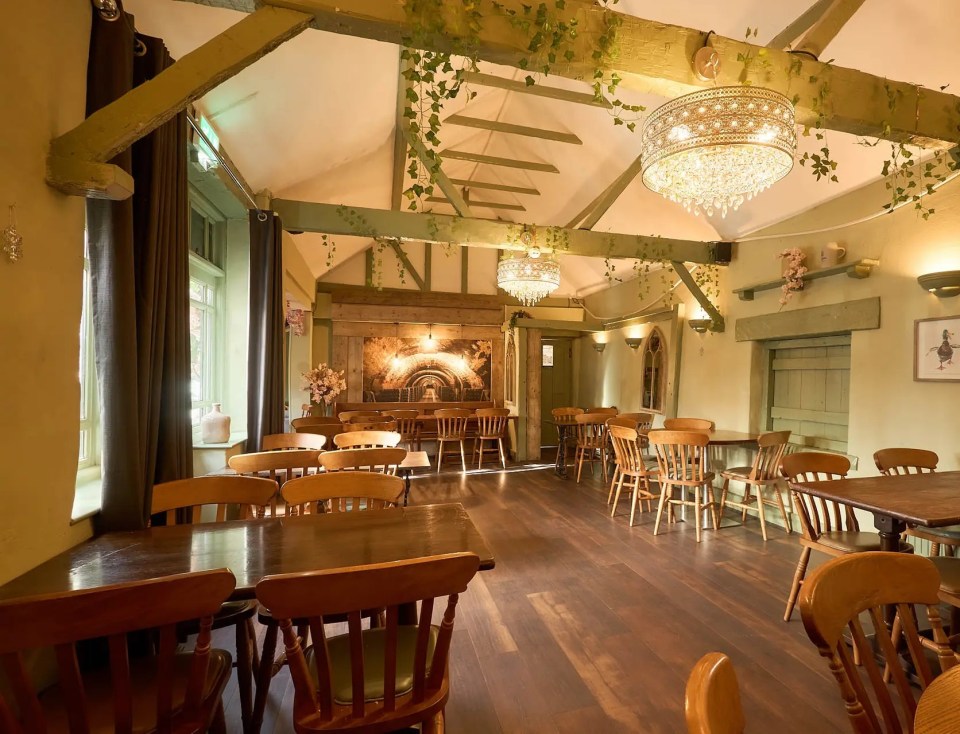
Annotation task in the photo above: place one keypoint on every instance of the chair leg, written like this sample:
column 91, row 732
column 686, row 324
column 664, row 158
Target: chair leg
column 613, row 483
column 697, row 512
column 783, row 510
column 723, row 495
column 264, row 675
column 761, row 514
column 439, row 454
column 664, row 492
column 218, row 724
column 579, row 461
column 714, row 514
column 616, row 497
column 503, row 454
column 633, row 503
column 478, row 449
column 244, row 673
column 797, row 580
column 463, row 458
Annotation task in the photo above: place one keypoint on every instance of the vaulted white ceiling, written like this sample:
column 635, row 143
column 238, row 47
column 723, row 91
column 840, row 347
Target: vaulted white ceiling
column 314, row 120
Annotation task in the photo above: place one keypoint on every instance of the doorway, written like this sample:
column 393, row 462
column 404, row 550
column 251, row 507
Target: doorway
column 556, row 383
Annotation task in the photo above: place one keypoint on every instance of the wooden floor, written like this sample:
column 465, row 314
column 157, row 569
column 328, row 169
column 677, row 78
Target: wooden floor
column 587, row 625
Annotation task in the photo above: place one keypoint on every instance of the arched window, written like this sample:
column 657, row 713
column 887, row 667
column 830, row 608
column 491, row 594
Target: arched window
column 653, row 370
column 511, row 371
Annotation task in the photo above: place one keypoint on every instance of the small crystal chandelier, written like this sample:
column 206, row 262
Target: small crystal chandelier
column 714, row 149
column 530, row 277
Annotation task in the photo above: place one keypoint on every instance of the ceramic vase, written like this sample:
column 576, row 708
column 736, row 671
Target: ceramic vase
column 215, row 426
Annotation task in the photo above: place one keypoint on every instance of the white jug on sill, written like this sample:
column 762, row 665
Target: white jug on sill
column 215, row 426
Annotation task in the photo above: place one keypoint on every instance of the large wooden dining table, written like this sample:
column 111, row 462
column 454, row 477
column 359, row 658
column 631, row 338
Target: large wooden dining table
column 253, row 549
column 925, row 500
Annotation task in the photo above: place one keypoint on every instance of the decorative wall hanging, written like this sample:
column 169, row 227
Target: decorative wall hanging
column 936, row 350
column 11, row 239
column 405, row 370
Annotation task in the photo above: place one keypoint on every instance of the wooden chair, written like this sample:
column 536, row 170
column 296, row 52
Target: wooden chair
column 834, row 603
column 602, row 411
column 384, row 460
column 365, row 425
column 626, row 422
column 591, row 442
column 305, row 409
column 491, row 425
column 342, row 491
column 644, row 420
column 250, row 496
column 630, row 466
column 451, row 428
column 764, row 476
column 374, row 680
column 828, row 527
column 919, row 461
column 314, row 420
column 367, row 439
column 349, row 415
column 282, row 441
column 408, row 426
column 682, row 462
column 169, row 692
column 564, row 417
column 712, row 702
column 687, row 424
column 280, row 466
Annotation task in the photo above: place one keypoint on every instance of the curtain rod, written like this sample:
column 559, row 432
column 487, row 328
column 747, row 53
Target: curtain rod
column 261, row 215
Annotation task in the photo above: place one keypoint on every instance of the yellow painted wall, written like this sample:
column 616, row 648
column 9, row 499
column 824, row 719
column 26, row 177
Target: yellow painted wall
column 43, row 53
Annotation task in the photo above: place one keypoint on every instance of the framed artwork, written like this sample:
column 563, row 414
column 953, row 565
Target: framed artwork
column 936, row 349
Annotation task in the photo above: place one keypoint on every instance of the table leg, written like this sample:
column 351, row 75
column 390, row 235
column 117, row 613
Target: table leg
column 405, row 473
column 561, row 467
column 890, row 529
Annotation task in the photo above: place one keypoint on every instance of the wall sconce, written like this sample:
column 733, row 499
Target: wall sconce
column 599, row 347
column 700, row 325
column 634, row 342
column 945, row 284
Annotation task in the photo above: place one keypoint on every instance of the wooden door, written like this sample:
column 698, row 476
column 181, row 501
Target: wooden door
column 556, row 384
column 810, row 389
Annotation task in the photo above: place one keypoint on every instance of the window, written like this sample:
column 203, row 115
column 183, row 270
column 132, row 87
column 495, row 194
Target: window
column 205, row 313
column 88, row 459
column 205, row 234
column 653, row 372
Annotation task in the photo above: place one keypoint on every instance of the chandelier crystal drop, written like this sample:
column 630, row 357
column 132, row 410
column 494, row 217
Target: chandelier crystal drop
column 528, row 278
column 714, row 149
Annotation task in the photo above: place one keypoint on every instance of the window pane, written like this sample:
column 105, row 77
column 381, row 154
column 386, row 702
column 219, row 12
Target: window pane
column 198, row 231
column 196, row 290
column 198, row 345
column 211, row 294
column 84, row 316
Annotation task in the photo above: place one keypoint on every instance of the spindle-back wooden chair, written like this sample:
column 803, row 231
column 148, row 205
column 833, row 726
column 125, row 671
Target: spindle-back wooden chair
column 491, row 425
column 452, row 428
column 682, row 465
column 284, row 441
column 591, row 442
column 764, row 476
column 367, row 439
column 342, row 491
column 314, row 420
column 281, row 466
column 350, row 415
column 383, row 460
column 630, row 467
column 687, row 424
column 408, row 426
column 712, row 702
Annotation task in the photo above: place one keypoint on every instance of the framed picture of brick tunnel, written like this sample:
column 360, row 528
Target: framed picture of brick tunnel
column 404, row 370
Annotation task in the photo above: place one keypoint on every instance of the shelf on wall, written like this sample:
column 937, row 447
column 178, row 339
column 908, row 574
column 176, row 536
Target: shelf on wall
column 858, row 269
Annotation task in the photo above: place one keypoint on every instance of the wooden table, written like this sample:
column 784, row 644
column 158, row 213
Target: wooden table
column 413, row 460
column 252, row 549
column 928, row 500
column 563, row 434
column 731, row 438
column 938, row 710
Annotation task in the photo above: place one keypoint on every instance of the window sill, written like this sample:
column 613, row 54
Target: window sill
column 87, row 499
column 235, row 440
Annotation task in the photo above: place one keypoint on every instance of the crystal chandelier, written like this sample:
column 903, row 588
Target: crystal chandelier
column 714, row 149
column 528, row 278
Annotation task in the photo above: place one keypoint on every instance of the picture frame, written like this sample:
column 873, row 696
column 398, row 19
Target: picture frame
column 936, row 349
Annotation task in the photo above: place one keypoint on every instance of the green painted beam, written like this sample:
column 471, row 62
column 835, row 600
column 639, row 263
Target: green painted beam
column 716, row 319
column 407, row 265
column 511, row 129
column 483, row 204
column 536, row 90
column 491, row 160
column 526, row 190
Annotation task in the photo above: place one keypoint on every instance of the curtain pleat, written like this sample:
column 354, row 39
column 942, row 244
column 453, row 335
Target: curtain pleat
column 265, row 356
column 139, row 285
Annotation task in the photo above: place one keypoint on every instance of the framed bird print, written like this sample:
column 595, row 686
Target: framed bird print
column 936, row 349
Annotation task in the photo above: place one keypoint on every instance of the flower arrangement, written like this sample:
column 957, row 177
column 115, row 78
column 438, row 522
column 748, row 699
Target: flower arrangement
column 294, row 321
column 323, row 383
column 793, row 272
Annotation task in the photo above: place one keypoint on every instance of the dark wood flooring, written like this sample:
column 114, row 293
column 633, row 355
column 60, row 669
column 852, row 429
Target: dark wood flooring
column 588, row 625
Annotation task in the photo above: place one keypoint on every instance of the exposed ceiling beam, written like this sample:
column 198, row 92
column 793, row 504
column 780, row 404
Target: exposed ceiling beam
column 399, row 139
column 429, row 159
column 482, row 204
column 814, row 29
column 490, row 160
column 407, row 265
column 496, row 186
column 511, row 129
column 656, row 58
column 594, row 211
column 537, row 90
column 717, row 323
column 143, row 109
column 489, row 233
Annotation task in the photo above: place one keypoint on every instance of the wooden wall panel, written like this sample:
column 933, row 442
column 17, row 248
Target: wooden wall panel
column 533, row 358
column 354, row 369
column 415, row 314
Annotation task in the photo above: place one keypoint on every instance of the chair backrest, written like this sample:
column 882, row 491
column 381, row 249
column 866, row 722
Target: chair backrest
column 407, row 424
column 61, row 620
column 314, row 420
column 712, row 704
column 838, row 596
column 491, row 422
column 348, row 591
column 818, row 516
column 591, row 429
column 366, row 439
column 644, row 420
column 282, row 441
column 452, row 422
column 349, row 415
column 278, row 465
column 251, row 495
column 342, row 492
column 770, row 448
column 383, row 460
column 626, row 448
column 623, row 421
column 603, row 411
column 363, row 424
column 566, row 415
column 681, row 455
column 906, row 461
column 687, row 424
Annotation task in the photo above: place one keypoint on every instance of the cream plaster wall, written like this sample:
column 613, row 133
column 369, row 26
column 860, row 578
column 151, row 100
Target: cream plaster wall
column 43, row 53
